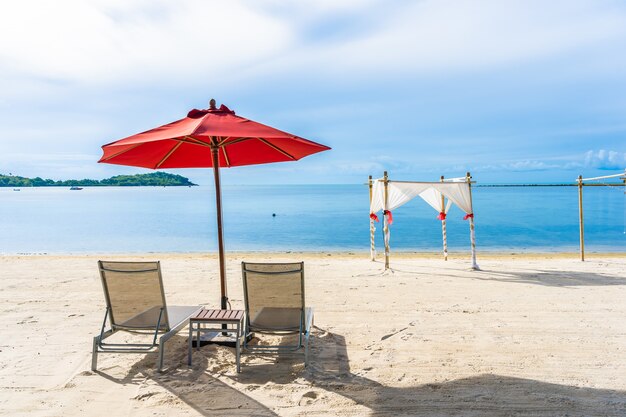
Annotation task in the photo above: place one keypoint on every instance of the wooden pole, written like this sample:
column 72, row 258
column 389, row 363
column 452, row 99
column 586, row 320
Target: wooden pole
column 372, row 227
column 385, row 223
column 443, row 226
column 220, row 233
column 468, row 178
column 581, row 224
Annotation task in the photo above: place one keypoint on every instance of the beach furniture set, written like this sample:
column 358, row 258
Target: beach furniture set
column 274, row 294
column 274, row 302
column 210, row 138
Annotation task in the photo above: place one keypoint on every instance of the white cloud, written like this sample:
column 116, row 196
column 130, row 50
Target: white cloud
column 102, row 41
column 604, row 159
column 600, row 159
column 414, row 80
column 140, row 41
column 435, row 37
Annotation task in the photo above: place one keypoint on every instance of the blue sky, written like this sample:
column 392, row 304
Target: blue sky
column 513, row 91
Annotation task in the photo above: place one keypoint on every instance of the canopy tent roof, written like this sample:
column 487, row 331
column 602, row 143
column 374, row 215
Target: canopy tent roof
column 401, row 192
column 388, row 195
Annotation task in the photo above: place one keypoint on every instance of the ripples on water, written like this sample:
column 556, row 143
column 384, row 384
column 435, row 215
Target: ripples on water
column 308, row 217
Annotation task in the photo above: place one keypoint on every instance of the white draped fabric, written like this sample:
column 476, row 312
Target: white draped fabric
column 400, row 193
column 457, row 179
column 456, row 190
column 434, row 198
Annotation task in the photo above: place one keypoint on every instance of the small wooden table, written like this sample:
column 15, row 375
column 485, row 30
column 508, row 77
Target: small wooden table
column 217, row 321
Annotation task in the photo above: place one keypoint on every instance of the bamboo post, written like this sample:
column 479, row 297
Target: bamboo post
column 581, row 224
column 443, row 226
column 372, row 226
column 468, row 178
column 385, row 223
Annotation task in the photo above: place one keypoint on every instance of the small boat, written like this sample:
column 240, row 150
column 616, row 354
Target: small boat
column 16, row 189
column 75, row 188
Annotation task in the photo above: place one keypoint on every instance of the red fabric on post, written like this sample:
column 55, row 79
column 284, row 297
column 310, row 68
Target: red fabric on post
column 468, row 216
column 441, row 216
column 374, row 217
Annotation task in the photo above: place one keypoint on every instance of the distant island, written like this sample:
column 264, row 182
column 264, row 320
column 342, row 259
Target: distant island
column 155, row 179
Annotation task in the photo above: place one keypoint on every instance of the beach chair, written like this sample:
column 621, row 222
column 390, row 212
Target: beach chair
column 275, row 304
column 135, row 302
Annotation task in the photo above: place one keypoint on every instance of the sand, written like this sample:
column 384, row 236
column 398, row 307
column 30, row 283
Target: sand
column 529, row 335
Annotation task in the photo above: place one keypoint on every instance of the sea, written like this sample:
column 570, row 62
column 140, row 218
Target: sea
column 317, row 218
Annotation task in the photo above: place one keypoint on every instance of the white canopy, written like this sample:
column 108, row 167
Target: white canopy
column 456, row 190
column 400, row 192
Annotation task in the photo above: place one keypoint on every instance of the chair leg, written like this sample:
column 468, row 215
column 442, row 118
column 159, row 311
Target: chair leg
column 306, row 349
column 306, row 354
column 162, row 340
column 161, row 353
column 238, row 348
column 94, row 354
column 189, row 343
column 309, row 329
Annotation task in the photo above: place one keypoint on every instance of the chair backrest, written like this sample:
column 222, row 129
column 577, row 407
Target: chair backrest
column 134, row 295
column 274, row 295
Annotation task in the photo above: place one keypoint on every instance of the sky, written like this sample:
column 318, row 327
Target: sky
column 513, row 91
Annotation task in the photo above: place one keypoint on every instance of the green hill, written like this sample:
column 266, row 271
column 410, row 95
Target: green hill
column 156, row 179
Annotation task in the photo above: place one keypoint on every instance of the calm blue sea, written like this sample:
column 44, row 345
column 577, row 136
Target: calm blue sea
column 308, row 217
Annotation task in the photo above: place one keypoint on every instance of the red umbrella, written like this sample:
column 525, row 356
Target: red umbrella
column 209, row 138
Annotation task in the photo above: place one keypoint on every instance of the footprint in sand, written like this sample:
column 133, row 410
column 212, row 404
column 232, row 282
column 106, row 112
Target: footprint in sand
column 143, row 397
column 308, row 398
column 387, row 336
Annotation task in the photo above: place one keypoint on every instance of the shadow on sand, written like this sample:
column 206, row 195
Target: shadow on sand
column 329, row 372
column 196, row 388
column 550, row 278
column 554, row 278
column 480, row 395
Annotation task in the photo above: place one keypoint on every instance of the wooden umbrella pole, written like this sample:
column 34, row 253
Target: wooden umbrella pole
column 372, row 227
column 443, row 226
column 471, row 219
column 385, row 223
column 581, row 224
column 220, row 233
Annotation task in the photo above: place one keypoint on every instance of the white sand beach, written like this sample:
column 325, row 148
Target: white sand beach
column 529, row 335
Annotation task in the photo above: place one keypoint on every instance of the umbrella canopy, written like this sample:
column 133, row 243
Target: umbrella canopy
column 188, row 143
column 209, row 138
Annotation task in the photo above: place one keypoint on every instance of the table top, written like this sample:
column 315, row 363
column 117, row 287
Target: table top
column 221, row 316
